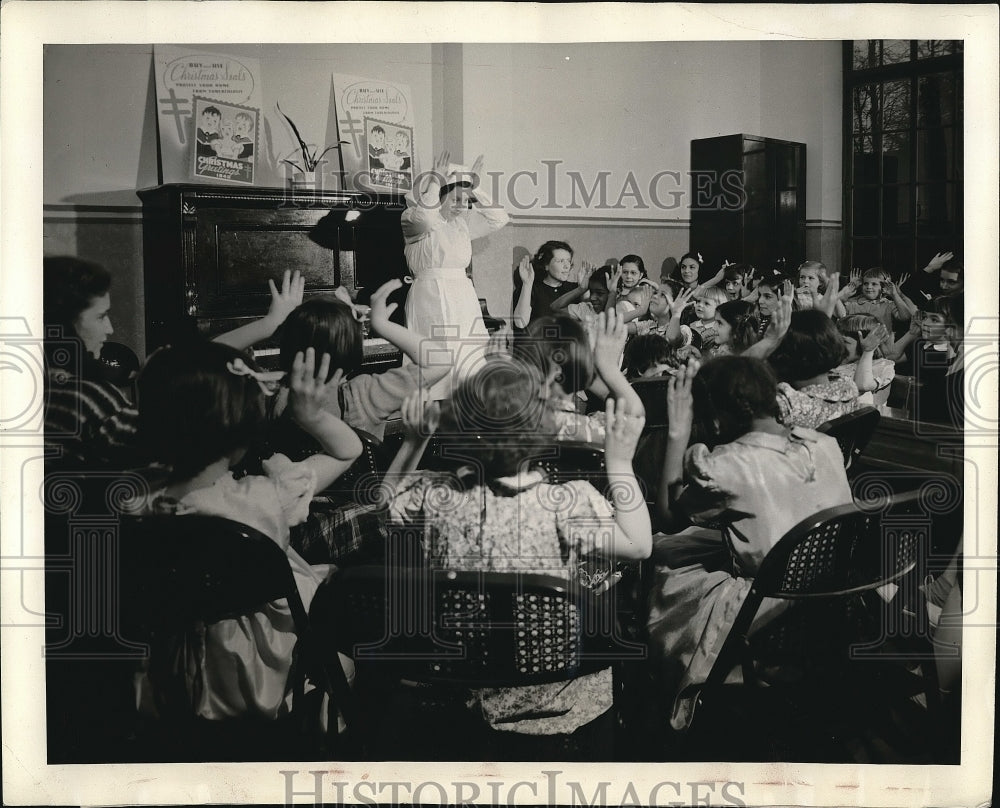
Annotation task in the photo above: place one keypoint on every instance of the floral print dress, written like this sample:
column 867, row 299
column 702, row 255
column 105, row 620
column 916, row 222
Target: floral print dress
column 517, row 524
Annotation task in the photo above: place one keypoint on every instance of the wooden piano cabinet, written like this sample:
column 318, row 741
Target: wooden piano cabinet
column 209, row 251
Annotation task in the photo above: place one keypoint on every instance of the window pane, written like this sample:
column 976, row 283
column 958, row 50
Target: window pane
column 865, row 165
column 865, row 101
column 936, row 154
column 866, row 253
column 935, row 209
column 895, row 51
column 896, row 218
column 929, row 48
column 866, row 201
column 897, row 256
column 896, row 157
column 896, row 105
column 865, row 53
column 936, row 100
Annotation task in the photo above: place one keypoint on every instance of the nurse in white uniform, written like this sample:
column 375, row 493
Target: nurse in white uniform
column 444, row 213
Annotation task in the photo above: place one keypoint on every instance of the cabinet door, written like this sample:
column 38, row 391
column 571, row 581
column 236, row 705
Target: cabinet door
column 237, row 251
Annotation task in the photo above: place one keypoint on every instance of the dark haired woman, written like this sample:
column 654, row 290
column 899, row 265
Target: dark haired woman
column 440, row 222
column 753, row 474
column 87, row 420
column 810, row 349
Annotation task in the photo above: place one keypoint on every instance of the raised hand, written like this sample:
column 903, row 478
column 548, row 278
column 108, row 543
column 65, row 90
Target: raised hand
column 611, row 334
column 614, row 279
column 477, row 168
column 828, row 300
column 419, row 415
column 680, row 402
column 310, row 388
column 526, row 271
column 939, row 260
column 854, row 280
column 287, row 299
column 679, row 303
column 622, row 431
column 874, row 338
column 441, row 163
column 381, row 310
column 586, row 270
column 717, row 277
column 902, row 280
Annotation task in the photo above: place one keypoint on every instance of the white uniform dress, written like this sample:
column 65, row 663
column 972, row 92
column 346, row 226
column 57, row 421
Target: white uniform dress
column 442, row 301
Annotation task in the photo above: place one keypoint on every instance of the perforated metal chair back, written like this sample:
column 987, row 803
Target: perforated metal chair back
column 852, row 431
column 472, row 629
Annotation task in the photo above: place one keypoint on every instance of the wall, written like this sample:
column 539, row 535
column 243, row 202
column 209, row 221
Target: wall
column 628, row 110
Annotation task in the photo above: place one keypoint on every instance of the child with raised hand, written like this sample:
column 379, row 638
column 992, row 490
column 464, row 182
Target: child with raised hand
column 200, row 407
column 867, row 341
column 705, row 303
column 331, row 325
column 598, row 296
column 633, row 286
column 500, row 514
column 283, row 302
column 736, row 327
column 748, row 472
column 866, row 294
column 809, row 351
column 665, row 312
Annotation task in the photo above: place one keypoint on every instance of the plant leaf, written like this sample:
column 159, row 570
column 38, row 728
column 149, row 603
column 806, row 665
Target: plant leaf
column 295, row 129
column 295, row 165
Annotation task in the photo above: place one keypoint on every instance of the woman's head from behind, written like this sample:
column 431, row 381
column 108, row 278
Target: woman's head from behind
column 553, row 259
column 559, row 348
column 329, row 326
column 499, row 416
column 197, row 405
column 736, row 325
column 76, row 297
column 812, row 346
column 730, row 392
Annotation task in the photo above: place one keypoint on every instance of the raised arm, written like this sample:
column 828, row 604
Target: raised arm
column 633, row 535
column 777, row 327
column 420, row 420
column 414, row 345
column 680, row 416
column 610, row 342
column 905, row 308
column 522, row 307
column 864, row 378
column 309, row 389
column 488, row 215
column 283, row 303
column 583, row 282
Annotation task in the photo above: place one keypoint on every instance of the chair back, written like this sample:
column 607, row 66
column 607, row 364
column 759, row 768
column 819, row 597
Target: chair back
column 653, row 394
column 472, row 629
column 852, row 431
column 822, row 562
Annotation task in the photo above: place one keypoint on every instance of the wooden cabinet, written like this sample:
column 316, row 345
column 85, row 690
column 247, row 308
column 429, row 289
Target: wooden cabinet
column 748, row 200
column 209, row 251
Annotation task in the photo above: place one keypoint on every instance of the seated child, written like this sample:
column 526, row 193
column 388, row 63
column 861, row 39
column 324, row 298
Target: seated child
column 866, row 339
column 807, row 395
column 560, row 349
column 736, row 327
column 330, row 325
column 634, row 287
column 199, row 409
column 755, row 476
column 704, row 308
column 871, row 298
column 520, row 522
column 665, row 311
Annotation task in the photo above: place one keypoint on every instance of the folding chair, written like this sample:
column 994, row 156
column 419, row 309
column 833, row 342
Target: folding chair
column 183, row 573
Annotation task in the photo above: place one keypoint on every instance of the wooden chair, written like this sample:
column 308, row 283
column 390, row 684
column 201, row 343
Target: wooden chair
column 805, row 660
column 181, row 574
column 449, row 631
column 852, row 431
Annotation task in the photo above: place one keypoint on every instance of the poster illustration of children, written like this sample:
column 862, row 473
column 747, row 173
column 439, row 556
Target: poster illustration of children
column 226, row 141
column 390, row 155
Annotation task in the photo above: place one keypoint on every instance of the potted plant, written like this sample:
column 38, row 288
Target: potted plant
column 306, row 168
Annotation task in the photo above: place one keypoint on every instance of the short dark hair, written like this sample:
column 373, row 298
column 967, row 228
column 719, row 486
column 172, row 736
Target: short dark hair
column 729, row 393
column 499, row 416
column 560, row 340
column 952, row 308
column 327, row 325
column 812, row 345
column 634, row 259
column 742, row 319
column 543, row 256
column 193, row 410
column 211, row 111
column 69, row 286
column 735, row 272
column 643, row 351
